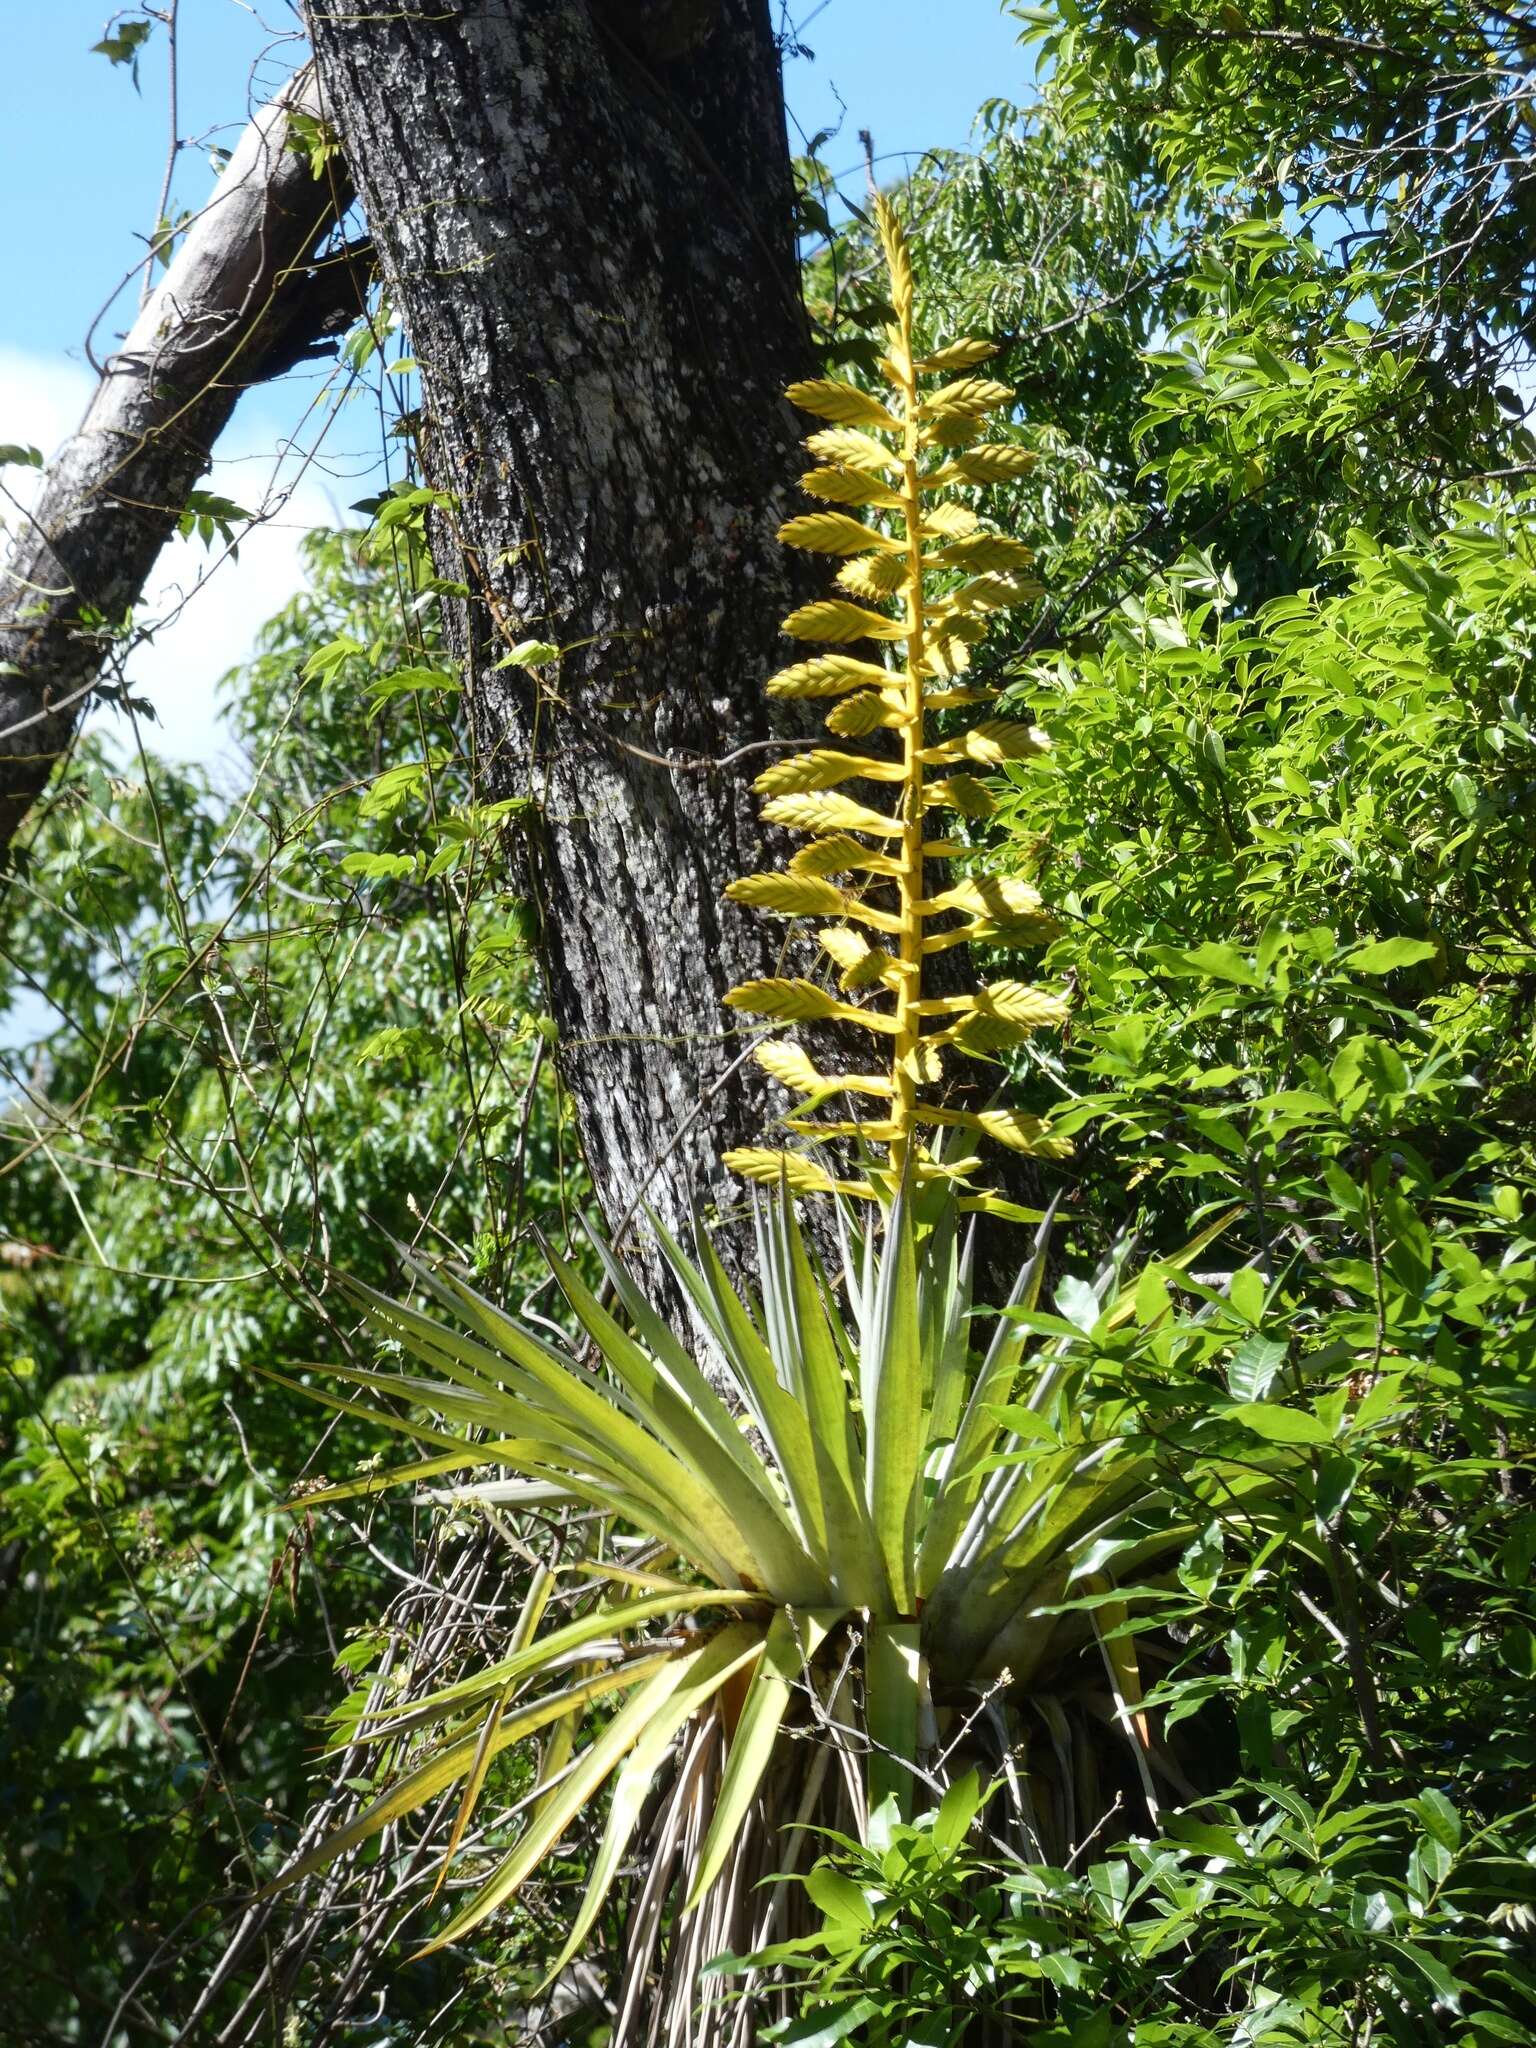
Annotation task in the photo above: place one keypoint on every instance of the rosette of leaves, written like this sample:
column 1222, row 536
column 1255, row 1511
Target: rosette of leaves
column 920, row 575
column 854, row 1553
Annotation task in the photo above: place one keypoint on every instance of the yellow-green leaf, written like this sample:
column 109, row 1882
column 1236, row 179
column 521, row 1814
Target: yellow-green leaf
column 831, row 619
column 865, row 713
column 898, row 262
column 962, row 793
column 998, row 739
column 834, row 533
column 841, row 486
column 861, row 965
column 829, row 813
column 791, row 999
column 789, row 895
column 830, row 399
column 874, row 576
column 853, row 450
column 948, row 522
column 957, row 355
column 1018, row 1003
column 995, row 462
column 994, row 594
column 696, row 1677
column 801, row 1175
column 972, row 395
column 432, row 1777
column 834, row 855
column 985, row 551
column 827, row 675
column 998, row 896
column 794, row 1637
column 789, row 1065
column 1010, row 1127
column 822, row 769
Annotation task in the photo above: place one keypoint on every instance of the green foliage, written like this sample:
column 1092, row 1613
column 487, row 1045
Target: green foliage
column 1285, row 826
column 1263, row 285
column 250, row 1062
column 1270, row 1920
column 919, row 1534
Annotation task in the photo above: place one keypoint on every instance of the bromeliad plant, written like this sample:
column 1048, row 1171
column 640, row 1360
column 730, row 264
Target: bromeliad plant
column 896, row 464
column 852, row 1550
column 869, row 1553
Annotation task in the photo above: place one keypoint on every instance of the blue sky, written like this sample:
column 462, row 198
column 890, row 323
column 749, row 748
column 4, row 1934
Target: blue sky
column 84, row 155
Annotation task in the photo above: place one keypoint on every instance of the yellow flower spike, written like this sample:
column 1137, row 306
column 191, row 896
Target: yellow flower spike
column 888, row 459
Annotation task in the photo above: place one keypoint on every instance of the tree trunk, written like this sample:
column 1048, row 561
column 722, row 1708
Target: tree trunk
column 238, row 304
column 583, row 212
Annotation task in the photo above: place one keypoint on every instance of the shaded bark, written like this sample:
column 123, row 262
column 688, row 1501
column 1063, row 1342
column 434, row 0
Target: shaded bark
column 583, row 212
column 239, row 303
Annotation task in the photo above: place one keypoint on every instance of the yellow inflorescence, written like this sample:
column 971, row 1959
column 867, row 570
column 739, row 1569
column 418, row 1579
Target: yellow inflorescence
column 891, row 461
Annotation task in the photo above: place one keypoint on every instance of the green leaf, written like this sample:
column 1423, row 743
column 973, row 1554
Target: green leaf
column 1446, row 1988
column 1254, row 1364
column 1153, row 1301
column 891, row 1386
column 959, row 1807
column 1280, row 1425
column 893, row 1688
column 123, row 44
column 411, row 682
column 793, row 1640
column 1246, row 1292
column 379, row 867
column 530, row 654
column 1078, row 1304
column 657, row 1710
column 838, row 1897
column 1440, row 1818
column 1210, row 961
column 1201, row 1565
column 445, row 1767
column 1383, row 955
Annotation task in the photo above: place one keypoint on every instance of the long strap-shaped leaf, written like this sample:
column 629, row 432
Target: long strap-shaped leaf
column 804, row 1339
column 891, row 1388
column 663, row 1703
column 750, row 1750
column 574, row 1401
column 743, row 1492
column 592, row 1471
column 603, row 1622
column 447, row 1766
column 539, row 1591
column 794, row 1637
column 979, row 1427
column 893, row 1689
column 781, row 1421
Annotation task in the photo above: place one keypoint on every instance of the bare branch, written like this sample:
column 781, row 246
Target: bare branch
column 242, row 300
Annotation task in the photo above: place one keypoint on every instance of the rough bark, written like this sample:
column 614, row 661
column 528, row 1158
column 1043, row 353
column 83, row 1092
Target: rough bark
column 583, row 211
column 239, row 303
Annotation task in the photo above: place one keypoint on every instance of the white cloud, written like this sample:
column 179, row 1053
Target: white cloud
column 213, row 606
column 41, row 400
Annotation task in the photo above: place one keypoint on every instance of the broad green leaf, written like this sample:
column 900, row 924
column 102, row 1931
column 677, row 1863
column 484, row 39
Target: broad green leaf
column 1383, row 955
column 1279, row 1425
column 1253, row 1368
